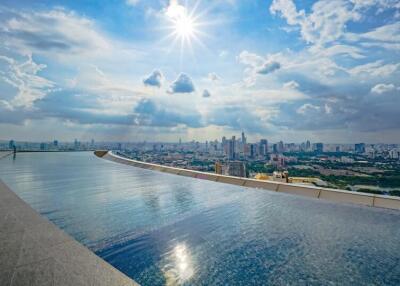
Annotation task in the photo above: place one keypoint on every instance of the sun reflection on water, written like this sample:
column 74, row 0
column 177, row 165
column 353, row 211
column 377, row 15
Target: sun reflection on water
column 179, row 267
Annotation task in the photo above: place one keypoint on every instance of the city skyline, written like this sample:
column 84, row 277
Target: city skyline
column 131, row 71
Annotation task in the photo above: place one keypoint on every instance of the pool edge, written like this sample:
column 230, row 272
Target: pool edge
column 336, row 195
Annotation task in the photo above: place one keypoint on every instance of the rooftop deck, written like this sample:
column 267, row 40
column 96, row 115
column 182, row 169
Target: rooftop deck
column 33, row 251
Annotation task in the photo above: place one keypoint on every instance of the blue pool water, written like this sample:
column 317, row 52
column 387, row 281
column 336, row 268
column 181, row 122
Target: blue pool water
column 163, row 229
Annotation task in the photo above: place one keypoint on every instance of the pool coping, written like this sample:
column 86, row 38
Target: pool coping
column 336, row 195
column 34, row 251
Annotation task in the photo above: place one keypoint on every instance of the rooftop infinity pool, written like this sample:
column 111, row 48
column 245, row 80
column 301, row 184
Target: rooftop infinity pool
column 162, row 229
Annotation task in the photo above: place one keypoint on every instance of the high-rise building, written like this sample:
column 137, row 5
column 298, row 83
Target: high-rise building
column 308, row 145
column 231, row 148
column 281, row 147
column 319, row 147
column 11, row 144
column 244, row 139
column 275, row 148
column 237, row 169
column 253, row 150
column 359, row 148
column 55, row 143
column 263, row 147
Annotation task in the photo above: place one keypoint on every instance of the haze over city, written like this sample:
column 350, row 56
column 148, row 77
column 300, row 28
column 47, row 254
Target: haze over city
column 324, row 71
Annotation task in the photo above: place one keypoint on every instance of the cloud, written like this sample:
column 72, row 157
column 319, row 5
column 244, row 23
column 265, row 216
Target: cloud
column 183, row 84
column 56, row 30
column 269, row 67
column 175, row 10
column 24, row 77
column 213, row 76
column 257, row 65
column 153, row 79
column 326, row 22
column 375, row 69
column 383, row 88
column 148, row 113
column 206, row 93
column 291, row 85
column 308, row 108
column 132, row 2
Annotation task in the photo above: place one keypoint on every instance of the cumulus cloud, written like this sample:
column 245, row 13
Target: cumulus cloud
column 206, row 93
column 183, row 84
column 154, row 79
column 383, row 88
column 269, row 67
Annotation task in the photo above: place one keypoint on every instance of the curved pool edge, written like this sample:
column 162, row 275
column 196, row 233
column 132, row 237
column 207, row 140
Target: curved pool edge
column 37, row 250
column 335, row 195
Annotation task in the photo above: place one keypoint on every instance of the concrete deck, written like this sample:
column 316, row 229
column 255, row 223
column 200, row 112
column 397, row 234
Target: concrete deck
column 341, row 196
column 33, row 251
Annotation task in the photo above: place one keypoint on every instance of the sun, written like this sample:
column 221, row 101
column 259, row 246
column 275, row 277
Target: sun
column 184, row 27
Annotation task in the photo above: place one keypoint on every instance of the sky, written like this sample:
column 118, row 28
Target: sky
column 160, row 70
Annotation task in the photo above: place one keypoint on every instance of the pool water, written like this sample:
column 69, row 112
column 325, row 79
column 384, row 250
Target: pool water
column 162, row 229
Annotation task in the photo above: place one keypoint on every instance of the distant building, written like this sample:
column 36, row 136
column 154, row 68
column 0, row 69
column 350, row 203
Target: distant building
column 308, row 145
column 275, row 148
column 277, row 160
column 263, row 147
column 253, row 151
column 359, row 148
column 281, row 147
column 244, row 139
column 218, row 168
column 231, row 148
column 55, row 143
column 319, row 147
column 237, row 169
column 11, row 144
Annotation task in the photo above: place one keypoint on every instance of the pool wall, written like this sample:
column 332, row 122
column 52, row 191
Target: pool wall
column 341, row 196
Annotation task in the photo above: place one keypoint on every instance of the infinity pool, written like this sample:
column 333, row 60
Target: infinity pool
column 162, row 229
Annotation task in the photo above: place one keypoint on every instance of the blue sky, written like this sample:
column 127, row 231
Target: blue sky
column 137, row 70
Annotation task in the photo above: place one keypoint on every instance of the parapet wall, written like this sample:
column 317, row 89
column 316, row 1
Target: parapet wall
column 342, row 196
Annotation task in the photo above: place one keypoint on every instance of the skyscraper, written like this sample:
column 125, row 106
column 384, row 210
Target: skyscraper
column 319, row 147
column 263, row 147
column 359, row 148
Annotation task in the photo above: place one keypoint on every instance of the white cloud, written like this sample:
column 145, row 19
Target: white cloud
column 183, row 84
column 324, row 24
column 291, row 85
column 307, row 108
column 132, row 2
column 383, row 88
column 24, row 76
column 213, row 77
column 269, row 67
column 375, row 69
column 206, row 93
column 154, row 79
